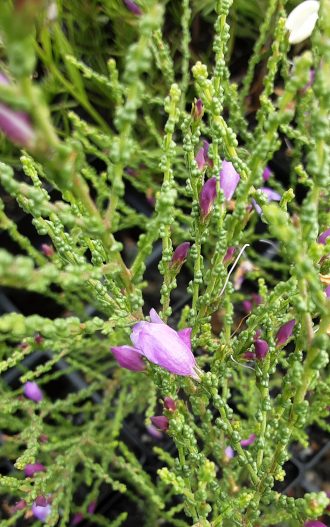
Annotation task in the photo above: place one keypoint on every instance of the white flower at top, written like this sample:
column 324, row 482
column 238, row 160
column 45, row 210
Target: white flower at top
column 301, row 21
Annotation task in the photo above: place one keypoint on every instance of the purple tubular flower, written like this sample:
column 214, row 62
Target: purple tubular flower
column 261, row 348
column 133, row 7
column 169, row 404
column 207, row 196
column 285, row 332
column 164, row 346
column 249, row 441
column 229, row 254
column 32, row 468
column 229, row 179
column 32, row 391
column 272, row 195
column 229, row 452
column 41, row 513
column 324, row 236
column 152, row 430
column 266, row 174
column 128, row 357
column 314, row 523
column 180, row 254
column 161, row 422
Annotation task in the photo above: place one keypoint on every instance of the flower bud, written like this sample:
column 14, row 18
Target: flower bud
column 180, row 254
column 47, row 250
column 32, row 391
column 133, row 7
column 169, row 404
column 314, row 523
column 32, row 468
column 207, row 196
column 197, row 110
column 229, row 254
column 91, row 507
column 266, row 174
column 324, row 236
column 41, row 501
column 229, row 179
column 249, row 355
column 285, row 332
column 261, row 348
column 128, row 357
column 301, row 21
column 20, row 505
column 77, row 518
column 161, row 422
column 249, row 441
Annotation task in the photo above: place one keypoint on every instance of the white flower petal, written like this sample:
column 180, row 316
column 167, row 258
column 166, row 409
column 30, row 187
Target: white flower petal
column 301, row 21
column 304, row 31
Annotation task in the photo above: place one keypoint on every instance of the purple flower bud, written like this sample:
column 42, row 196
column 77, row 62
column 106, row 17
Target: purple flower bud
column 327, row 292
column 32, row 468
column 229, row 452
column 91, row 507
column 77, row 518
column 41, row 501
column 314, row 523
column 247, row 306
column 32, row 391
column 285, row 332
column 249, row 355
column 324, row 236
column 16, row 126
column 271, row 195
column 261, row 348
column 152, row 430
column 207, row 196
column 47, row 250
column 160, row 422
column 229, row 179
column 20, row 505
column 249, row 441
column 133, row 7
column 266, row 174
column 257, row 334
column 202, row 157
column 180, row 254
column 229, row 254
column 164, row 346
column 128, row 357
column 169, row 404
column 38, row 339
column 256, row 299
column 41, row 513
column 198, row 110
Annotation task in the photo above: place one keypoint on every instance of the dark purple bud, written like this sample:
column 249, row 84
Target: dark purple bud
column 91, row 507
column 266, row 174
column 249, row 441
column 327, row 291
column 20, row 505
column 43, row 438
column 47, row 250
column 324, row 236
column 180, row 254
column 285, row 332
column 229, row 179
column 38, row 339
column 128, row 357
column 207, row 196
column 160, row 422
column 169, row 404
column 247, row 306
column 261, row 348
column 314, row 523
column 41, row 501
column 133, row 7
column 249, row 355
column 32, row 468
column 198, row 110
column 77, row 518
column 256, row 299
column 32, row 391
column 229, row 254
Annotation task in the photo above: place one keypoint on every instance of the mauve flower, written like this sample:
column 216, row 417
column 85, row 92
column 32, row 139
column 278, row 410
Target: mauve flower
column 198, row 110
column 169, row 404
column 229, row 452
column 324, row 236
column 161, row 422
column 229, row 254
column 47, row 250
column 202, row 156
column 14, row 124
column 207, row 196
column 20, row 505
column 164, row 346
column 272, row 195
column 327, row 292
column 32, row 468
column 301, row 21
column 32, row 391
column 91, row 507
column 41, row 513
column 229, row 179
column 77, row 518
column 266, row 174
column 41, row 501
column 249, row 441
column 261, row 348
column 285, row 332
column 314, row 523
column 133, row 7
column 152, row 430
column 128, row 357
column 180, row 254
column 249, row 355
